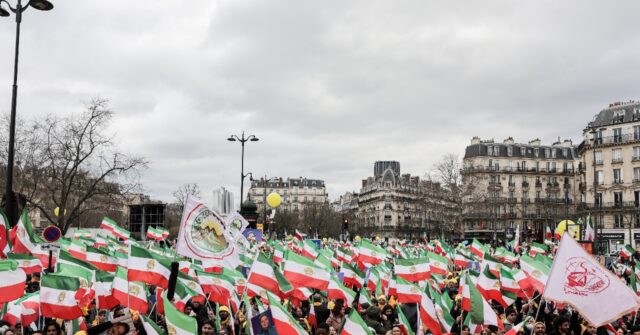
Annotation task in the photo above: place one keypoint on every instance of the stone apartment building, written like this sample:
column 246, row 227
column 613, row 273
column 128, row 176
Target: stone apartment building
column 391, row 204
column 296, row 193
column 511, row 184
column 611, row 176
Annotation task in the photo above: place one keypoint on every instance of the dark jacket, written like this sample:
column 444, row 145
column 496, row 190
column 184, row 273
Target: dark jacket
column 372, row 319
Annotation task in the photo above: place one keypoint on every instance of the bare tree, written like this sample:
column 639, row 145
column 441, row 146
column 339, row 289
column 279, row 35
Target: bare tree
column 181, row 194
column 71, row 163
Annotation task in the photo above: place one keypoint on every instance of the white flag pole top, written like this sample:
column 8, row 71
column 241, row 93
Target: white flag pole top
column 577, row 279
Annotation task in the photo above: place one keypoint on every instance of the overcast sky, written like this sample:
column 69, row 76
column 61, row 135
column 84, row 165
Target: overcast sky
column 329, row 87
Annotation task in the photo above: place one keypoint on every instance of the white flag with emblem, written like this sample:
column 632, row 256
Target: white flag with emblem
column 578, row 279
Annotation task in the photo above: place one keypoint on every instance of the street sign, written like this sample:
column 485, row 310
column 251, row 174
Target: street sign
column 51, row 234
column 49, row 246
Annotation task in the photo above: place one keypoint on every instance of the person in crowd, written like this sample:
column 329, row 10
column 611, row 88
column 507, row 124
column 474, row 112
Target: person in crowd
column 102, row 317
column 52, row 328
column 320, row 307
column 373, row 319
column 323, row 329
column 225, row 320
column 510, row 318
column 208, row 328
column 336, row 318
column 302, row 320
column 396, row 330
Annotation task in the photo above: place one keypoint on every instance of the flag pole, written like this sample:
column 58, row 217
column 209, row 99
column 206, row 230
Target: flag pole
column 538, row 312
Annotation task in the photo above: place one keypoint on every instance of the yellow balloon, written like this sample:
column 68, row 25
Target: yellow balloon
column 274, row 200
column 562, row 226
column 357, row 238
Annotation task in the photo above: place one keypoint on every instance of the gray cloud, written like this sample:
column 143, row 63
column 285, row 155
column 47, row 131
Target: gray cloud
column 328, row 86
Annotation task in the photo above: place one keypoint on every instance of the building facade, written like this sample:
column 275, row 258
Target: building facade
column 391, row 204
column 611, row 176
column 296, row 193
column 143, row 212
column 222, row 201
column 509, row 185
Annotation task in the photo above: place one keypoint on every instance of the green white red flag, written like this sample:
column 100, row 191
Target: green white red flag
column 129, row 293
column 150, row 327
column 428, row 315
column 154, row 234
column 537, row 272
column 481, row 312
column 407, row 292
column 302, row 272
column 368, row 253
column 13, row 281
column 178, row 323
column 147, row 267
column 262, row 274
column 29, row 264
column 354, row 325
column 438, row 264
column 101, row 259
column 58, row 297
column 627, row 252
column 405, row 326
column 412, row 269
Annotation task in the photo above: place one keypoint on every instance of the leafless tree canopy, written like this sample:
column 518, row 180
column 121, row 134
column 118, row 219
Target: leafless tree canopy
column 71, row 163
column 180, row 195
column 320, row 218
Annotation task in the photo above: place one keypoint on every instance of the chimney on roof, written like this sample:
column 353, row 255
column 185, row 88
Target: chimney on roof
column 535, row 142
column 508, row 140
column 475, row 140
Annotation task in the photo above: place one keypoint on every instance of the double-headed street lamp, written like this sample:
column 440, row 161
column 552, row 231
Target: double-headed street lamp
column 242, row 141
column 44, row 5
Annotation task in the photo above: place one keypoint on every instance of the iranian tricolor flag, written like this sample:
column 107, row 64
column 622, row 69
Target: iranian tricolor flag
column 364, row 297
column 29, row 264
column 121, row 233
column 407, row 292
column 302, row 272
column 493, row 263
column 102, row 286
column 154, row 234
column 368, row 253
column 578, row 279
column 481, row 312
column 278, row 253
column 352, row 276
column 460, row 260
column 218, row 286
column 284, row 322
column 465, row 291
column 344, row 254
column 24, row 241
column 443, row 305
column 354, row 325
column 516, row 240
column 413, row 269
column 13, row 281
column 148, row 268
column 516, row 329
column 129, row 293
column 150, row 327
column 101, row 259
column 178, row 323
column 309, row 249
column 489, row 287
column 300, row 236
column 24, row 310
column 58, row 297
column 627, row 252
column 262, row 273
column 537, row 272
column 478, row 248
column 338, row 291
column 438, row 264
column 108, row 224
column 514, row 281
column 428, row 315
column 538, row 248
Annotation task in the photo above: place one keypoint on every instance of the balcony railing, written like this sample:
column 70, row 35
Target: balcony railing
column 616, row 139
column 474, row 169
column 616, row 160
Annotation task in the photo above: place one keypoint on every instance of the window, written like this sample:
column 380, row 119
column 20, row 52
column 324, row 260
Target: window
column 617, row 176
column 636, row 153
column 617, row 135
column 524, row 166
column 523, row 151
column 598, row 157
column 553, row 153
column 636, row 132
column 496, row 165
column 536, row 152
column 617, row 221
column 598, row 199
column 565, row 167
column 489, row 150
column 617, row 155
column 565, row 153
column 636, row 174
column 547, row 153
column 598, row 137
column 553, row 166
column 600, row 177
column 510, row 165
column 496, row 150
column 509, row 151
column 617, row 199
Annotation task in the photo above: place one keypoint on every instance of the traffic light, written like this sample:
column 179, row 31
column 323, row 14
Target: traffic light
column 345, row 224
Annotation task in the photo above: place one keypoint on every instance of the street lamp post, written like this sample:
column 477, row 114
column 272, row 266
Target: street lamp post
column 596, row 237
column 44, row 5
column 242, row 141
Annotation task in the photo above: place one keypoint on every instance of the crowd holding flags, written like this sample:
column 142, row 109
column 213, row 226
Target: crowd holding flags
column 417, row 287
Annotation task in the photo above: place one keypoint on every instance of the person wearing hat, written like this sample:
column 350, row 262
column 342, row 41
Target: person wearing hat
column 225, row 320
column 320, row 308
column 382, row 302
